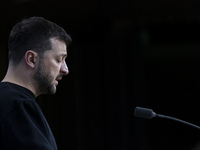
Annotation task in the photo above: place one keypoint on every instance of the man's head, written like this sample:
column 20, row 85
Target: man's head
column 33, row 34
column 41, row 46
column 51, row 67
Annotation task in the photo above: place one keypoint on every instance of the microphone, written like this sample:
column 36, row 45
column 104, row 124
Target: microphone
column 149, row 113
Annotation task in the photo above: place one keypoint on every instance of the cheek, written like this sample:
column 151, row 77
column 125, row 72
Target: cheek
column 54, row 70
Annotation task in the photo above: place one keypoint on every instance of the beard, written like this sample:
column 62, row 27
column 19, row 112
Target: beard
column 43, row 80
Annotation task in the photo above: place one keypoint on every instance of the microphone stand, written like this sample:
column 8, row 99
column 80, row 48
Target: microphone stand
column 149, row 113
column 178, row 120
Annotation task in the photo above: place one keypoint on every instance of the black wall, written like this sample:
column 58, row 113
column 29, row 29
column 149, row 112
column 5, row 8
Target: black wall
column 124, row 54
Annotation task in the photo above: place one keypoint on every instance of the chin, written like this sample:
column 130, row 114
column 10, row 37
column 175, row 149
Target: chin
column 52, row 90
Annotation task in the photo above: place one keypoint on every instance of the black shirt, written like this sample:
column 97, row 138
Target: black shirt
column 22, row 123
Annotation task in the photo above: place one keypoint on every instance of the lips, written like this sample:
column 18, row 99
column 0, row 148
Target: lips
column 59, row 78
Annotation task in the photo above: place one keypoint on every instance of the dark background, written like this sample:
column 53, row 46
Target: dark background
column 124, row 54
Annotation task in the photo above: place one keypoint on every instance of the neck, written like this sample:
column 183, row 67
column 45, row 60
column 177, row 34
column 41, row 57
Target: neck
column 15, row 75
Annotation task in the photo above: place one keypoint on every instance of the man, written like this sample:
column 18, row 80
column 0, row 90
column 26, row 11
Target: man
column 37, row 52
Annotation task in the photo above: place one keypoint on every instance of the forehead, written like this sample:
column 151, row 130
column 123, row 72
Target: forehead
column 57, row 45
column 58, row 48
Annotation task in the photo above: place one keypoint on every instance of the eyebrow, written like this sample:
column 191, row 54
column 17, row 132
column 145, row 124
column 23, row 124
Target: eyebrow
column 63, row 55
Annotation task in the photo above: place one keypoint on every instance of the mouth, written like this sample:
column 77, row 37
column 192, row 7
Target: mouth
column 56, row 82
column 58, row 79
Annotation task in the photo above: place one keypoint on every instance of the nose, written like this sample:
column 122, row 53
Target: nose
column 64, row 69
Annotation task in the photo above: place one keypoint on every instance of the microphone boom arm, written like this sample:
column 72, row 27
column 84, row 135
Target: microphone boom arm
column 178, row 120
column 149, row 113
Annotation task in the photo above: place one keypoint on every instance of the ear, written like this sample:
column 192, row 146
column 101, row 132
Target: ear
column 31, row 58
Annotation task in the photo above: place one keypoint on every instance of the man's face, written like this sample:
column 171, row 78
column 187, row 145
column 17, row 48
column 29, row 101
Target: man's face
column 51, row 67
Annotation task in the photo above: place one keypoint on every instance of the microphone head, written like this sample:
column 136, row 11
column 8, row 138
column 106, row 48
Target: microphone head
column 144, row 113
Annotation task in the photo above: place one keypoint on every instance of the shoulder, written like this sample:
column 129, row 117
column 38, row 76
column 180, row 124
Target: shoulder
column 12, row 91
column 13, row 97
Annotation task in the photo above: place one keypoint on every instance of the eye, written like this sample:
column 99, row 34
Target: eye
column 59, row 60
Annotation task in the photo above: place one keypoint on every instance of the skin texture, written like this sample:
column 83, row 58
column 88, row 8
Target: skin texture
column 51, row 68
column 40, row 75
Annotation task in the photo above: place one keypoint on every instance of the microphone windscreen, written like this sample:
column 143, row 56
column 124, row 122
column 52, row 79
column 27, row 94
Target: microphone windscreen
column 144, row 113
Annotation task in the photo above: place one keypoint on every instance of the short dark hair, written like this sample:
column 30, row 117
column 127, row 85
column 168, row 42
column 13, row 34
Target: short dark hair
column 34, row 34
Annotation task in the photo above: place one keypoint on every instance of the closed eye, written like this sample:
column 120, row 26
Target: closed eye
column 59, row 60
